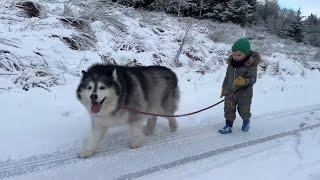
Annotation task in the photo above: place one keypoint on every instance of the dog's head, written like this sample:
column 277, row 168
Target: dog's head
column 99, row 88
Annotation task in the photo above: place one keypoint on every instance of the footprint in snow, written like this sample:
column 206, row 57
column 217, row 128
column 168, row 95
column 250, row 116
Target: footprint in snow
column 66, row 114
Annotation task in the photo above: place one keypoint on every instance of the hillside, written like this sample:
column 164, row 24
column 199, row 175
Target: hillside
column 44, row 47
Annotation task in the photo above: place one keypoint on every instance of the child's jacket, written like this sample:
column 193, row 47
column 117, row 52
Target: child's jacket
column 248, row 71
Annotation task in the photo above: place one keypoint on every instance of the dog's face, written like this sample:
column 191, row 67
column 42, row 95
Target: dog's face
column 98, row 91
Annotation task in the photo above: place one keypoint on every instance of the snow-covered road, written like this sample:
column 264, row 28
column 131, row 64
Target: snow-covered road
column 162, row 151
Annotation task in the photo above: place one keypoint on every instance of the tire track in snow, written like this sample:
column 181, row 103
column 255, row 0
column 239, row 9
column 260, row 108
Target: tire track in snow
column 47, row 161
column 215, row 152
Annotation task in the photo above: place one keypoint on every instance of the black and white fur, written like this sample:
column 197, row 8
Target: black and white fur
column 104, row 89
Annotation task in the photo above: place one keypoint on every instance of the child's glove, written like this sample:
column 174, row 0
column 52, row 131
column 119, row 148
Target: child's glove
column 239, row 82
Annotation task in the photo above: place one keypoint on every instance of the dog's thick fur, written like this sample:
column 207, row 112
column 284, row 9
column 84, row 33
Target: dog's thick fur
column 105, row 89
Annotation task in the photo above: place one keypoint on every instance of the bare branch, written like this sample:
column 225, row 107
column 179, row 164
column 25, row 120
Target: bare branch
column 177, row 63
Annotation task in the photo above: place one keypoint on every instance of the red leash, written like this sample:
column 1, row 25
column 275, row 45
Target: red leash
column 181, row 115
column 178, row 115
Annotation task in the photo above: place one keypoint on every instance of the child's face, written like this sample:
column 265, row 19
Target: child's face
column 238, row 56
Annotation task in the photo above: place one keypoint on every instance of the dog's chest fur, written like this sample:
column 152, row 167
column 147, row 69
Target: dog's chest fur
column 109, row 120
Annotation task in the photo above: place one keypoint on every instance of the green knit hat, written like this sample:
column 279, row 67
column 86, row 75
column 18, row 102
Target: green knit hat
column 242, row 45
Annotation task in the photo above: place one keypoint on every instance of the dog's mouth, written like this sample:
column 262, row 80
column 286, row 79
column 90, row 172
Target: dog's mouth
column 96, row 106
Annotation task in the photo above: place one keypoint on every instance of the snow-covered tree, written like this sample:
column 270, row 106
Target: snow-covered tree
column 216, row 13
column 254, row 5
column 294, row 28
column 238, row 12
column 180, row 7
column 312, row 30
column 312, row 20
column 268, row 14
column 269, row 9
column 160, row 5
column 202, row 6
column 135, row 3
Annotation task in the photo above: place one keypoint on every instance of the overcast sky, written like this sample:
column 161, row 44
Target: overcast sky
column 307, row 6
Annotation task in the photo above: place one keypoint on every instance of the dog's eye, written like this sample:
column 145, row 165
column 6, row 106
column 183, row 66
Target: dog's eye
column 108, row 84
column 102, row 87
column 90, row 87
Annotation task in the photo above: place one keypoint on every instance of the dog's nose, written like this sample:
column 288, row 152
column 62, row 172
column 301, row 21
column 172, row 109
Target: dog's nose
column 93, row 97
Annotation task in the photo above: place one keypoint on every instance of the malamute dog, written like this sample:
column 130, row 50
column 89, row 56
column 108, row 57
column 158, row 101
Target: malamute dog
column 105, row 89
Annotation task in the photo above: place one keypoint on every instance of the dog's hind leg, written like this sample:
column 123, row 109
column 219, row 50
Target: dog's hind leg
column 138, row 136
column 97, row 134
column 151, row 123
column 170, row 106
column 173, row 125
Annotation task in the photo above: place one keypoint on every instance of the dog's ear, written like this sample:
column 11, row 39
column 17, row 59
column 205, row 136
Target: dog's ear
column 84, row 72
column 115, row 75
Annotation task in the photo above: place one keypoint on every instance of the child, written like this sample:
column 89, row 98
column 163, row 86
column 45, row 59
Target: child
column 240, row 77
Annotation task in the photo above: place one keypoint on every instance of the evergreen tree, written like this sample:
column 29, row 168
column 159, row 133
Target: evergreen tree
column 238, row 12
column 254, row 6
column 295, row 28
column 160, row 5
column 180, row 7
column 135, row 3
column 202, row 6
column 312, row 30
column 270, row 9
column 268, row 15
column 216, row 13
column 286, row 18
column 312, row 20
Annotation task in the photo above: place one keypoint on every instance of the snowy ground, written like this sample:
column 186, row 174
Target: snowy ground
column 55, row 121
column 294, row 157
column 166, row 150
column 50, row 122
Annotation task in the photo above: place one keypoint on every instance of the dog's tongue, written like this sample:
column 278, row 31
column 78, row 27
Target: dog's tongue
column 95, row 107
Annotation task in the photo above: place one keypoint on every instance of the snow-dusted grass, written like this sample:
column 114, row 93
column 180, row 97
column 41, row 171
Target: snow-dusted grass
column 73, row 35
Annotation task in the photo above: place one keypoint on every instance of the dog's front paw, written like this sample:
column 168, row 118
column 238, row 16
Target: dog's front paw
column 135, row 145
column 148, row 131
column 137, row 142
column 85, row 154
column 173, row 127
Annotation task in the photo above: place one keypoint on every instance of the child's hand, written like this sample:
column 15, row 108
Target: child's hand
column 239, row 82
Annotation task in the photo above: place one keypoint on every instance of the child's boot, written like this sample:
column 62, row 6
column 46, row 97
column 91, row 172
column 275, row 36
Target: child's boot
column 227, row 128
column 246, row 125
